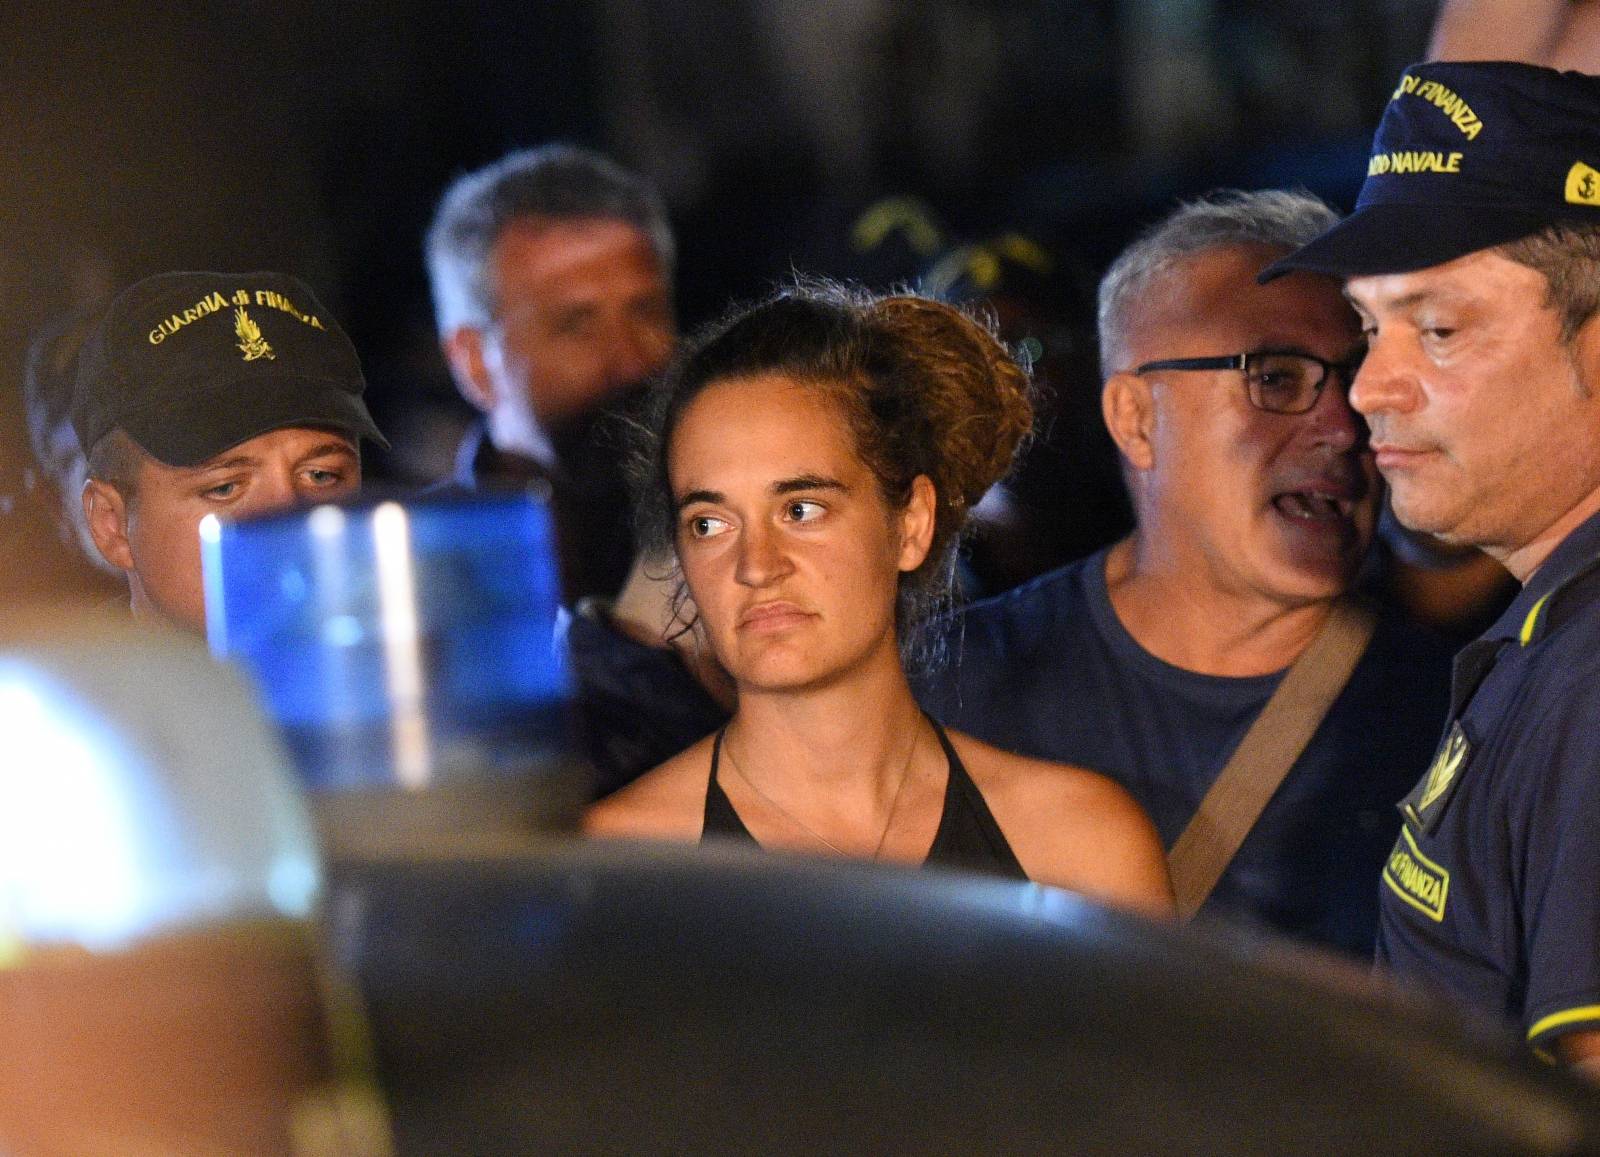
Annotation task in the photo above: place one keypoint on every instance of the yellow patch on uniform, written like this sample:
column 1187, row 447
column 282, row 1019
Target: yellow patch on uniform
column 1444, row 767
column 1416, row 879
column 1583, row 185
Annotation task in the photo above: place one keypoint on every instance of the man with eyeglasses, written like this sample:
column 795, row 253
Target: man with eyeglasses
column 1256, row 498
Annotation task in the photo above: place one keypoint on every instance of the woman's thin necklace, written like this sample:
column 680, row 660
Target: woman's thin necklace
column 888, row 822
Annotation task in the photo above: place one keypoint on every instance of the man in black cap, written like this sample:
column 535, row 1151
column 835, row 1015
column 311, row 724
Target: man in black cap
column 1473, row 258
column 210, row 393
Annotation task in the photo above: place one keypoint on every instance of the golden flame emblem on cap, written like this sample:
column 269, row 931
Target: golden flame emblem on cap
column 1583, row 185
column 250, row 339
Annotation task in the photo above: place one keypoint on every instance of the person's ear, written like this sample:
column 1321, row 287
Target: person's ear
column 1586, row 355
column 1129, row 411
column 463, row 352
column 106, row 512
column 917, row 523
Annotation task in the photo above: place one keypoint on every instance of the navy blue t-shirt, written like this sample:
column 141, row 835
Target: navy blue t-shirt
column 1492, row 892
column 1049, row 671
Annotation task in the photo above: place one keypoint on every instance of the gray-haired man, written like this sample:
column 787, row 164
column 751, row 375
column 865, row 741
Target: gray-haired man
column 552, row 284
column 1255, row 497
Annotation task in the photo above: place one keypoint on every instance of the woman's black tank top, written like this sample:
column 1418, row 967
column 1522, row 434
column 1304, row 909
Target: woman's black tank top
column 968, row 837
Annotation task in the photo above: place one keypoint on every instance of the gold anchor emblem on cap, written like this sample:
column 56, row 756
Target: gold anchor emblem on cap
column 1583, row 185
column 250, row 339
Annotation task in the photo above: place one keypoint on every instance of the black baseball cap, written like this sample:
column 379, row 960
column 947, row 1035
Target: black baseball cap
column 1468, row 155
column 192, row 364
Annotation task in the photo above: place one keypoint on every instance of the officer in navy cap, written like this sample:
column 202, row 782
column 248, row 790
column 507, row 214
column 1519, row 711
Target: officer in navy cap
column 202, row 393
column 1473, row 258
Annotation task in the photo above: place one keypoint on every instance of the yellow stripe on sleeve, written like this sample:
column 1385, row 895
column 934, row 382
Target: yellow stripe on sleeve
column 1570, row 1016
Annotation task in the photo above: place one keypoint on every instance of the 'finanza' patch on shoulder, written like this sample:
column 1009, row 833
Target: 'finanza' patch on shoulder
column 1416, row 879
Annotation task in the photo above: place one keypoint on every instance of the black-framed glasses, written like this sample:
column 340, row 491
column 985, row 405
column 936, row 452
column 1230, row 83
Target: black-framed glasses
column 1276, row 381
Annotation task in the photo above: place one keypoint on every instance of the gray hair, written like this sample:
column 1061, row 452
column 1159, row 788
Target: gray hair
column 1282, row 218
column 561, row 182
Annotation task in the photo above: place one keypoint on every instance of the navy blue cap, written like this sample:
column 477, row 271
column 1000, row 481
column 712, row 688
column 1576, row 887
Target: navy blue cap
column 1468, row 155
column 192, row 364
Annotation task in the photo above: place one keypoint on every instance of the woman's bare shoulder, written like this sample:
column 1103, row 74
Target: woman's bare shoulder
column 1032, row 781
column 1072, row 827
column 665, row 803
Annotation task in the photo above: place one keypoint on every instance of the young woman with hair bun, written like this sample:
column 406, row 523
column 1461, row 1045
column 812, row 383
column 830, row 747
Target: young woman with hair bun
column 811, row 464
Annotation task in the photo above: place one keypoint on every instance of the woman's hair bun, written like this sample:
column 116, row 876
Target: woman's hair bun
column 974, row 396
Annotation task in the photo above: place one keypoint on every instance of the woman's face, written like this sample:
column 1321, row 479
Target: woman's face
column 791, row 554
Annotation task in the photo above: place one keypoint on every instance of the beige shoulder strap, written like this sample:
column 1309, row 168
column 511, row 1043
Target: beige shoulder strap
column 1266, row 753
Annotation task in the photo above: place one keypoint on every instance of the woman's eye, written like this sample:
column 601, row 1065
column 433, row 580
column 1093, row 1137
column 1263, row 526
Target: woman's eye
column 704, row 526
column 803, row 511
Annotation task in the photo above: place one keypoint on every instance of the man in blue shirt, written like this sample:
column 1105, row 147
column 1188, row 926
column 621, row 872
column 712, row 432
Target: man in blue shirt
column 1255, row 498
column 1474, row 261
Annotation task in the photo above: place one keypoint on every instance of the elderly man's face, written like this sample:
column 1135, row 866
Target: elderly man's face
column 582, row 311
column 1256, row 504
column 1482, row 420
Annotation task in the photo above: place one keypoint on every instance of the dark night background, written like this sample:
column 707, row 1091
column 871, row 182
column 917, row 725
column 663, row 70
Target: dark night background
column 314, row 139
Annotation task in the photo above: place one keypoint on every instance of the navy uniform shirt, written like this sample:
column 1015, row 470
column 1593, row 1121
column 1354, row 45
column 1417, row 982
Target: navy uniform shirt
column 1049, row 670
column 1492, row 891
